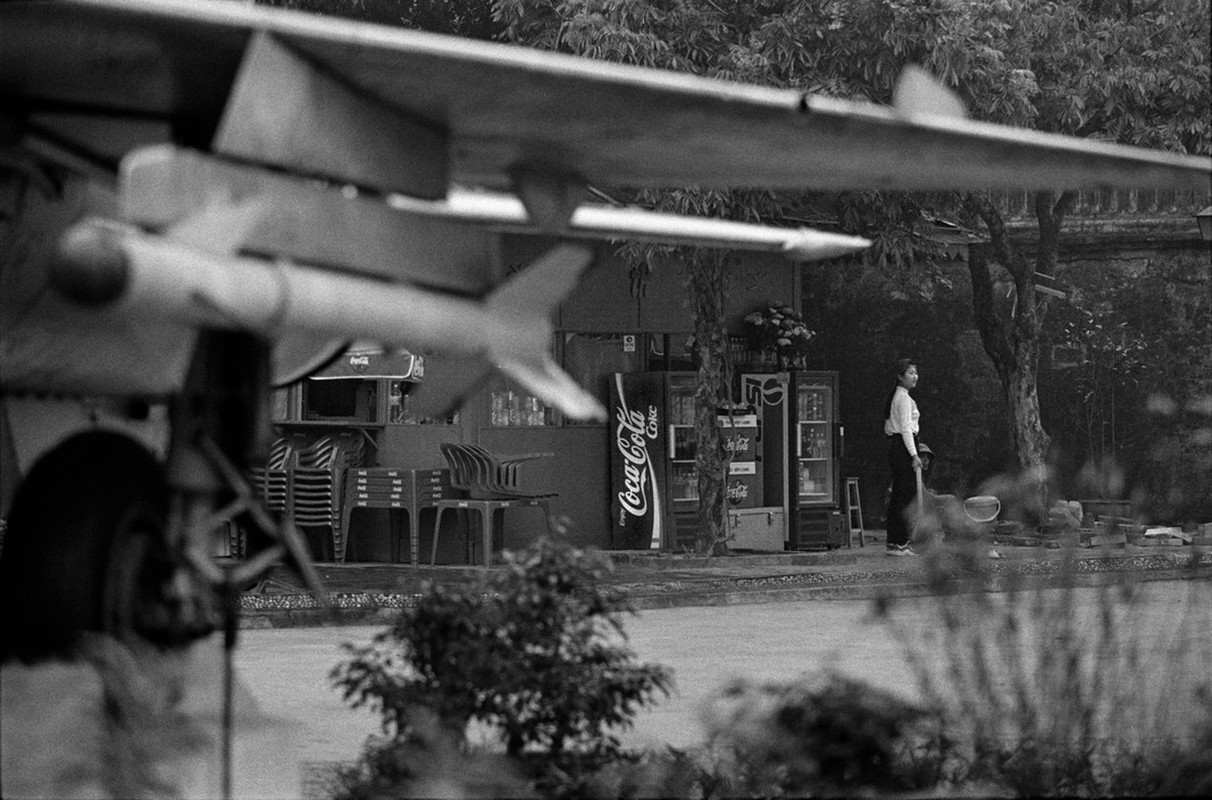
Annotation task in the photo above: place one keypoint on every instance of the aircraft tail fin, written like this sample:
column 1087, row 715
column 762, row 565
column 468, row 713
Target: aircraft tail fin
column 522, row 308
column 544, row 378
column 528, row 302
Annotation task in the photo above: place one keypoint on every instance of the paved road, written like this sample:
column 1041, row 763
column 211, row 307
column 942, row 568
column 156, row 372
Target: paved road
column 289, row 717
column 286, row 670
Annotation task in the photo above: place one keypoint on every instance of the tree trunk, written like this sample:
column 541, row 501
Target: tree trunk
column 707, row 270
column 1013, row 344
column 1030, row 439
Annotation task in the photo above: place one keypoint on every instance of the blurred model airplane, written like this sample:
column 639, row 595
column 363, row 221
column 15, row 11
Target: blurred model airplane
column 210, row 199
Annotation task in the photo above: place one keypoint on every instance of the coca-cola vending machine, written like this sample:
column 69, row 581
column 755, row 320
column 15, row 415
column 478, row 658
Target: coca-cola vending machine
column 640, row 505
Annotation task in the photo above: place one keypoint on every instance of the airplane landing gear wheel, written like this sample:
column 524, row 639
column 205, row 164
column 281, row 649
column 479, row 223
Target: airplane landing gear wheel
column 85, row 551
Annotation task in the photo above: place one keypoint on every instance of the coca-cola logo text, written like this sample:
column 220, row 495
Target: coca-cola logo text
column 631, row 437
column 736, row 444
column 737, row 492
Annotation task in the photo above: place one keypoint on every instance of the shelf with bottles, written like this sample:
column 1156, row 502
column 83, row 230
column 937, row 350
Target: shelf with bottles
column 681, row 402
column 813, row 403
column 514, row 409
column 684, row 483
column 814, row 441
column 815, row 479
column 400, row 408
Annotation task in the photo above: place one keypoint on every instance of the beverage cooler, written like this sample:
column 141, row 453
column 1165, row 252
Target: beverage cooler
column 642, row 483
column 816, row 489
column 783, row 489
column 743, row 488
column 654, row 483
column 739, row 431
column 764, row 525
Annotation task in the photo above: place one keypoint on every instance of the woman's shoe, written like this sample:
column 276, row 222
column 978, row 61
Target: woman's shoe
column 900, row 550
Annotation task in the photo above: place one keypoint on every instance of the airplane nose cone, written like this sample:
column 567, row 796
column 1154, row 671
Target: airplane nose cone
column 90, row 267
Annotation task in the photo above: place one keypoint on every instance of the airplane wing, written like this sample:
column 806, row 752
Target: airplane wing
column 232, row 77
column 355, row 138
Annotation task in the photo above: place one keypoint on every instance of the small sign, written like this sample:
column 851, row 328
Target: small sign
column 629, row 343
column 738, row 421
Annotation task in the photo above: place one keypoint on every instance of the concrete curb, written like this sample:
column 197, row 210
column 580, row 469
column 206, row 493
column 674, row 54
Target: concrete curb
column 674, row 582
column 873, row 591
column 648, row 560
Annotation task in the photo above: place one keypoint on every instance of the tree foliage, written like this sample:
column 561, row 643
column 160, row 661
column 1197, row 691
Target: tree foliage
column 468, row 18
column 1135, row 405
column 1127, row 71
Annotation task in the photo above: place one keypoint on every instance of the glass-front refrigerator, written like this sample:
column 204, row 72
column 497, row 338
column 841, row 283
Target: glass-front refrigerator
column 680, row 457
column 683, row 478
column 814, row 443
column 816, row 451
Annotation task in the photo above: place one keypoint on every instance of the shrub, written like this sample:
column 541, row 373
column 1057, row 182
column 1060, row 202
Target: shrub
column 536, row 650
column 816, row 736
column 1065, row 691
column 820, row 734
column 425, row 760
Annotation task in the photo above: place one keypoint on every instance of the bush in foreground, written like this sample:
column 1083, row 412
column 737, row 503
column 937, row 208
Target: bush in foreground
column 536, row 652
column 1098, row 691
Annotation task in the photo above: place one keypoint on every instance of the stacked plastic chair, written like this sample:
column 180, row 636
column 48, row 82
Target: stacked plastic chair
column 272, row 483
column 497, row 476
column 273, row 479
column 317, row 481
column 488, row 484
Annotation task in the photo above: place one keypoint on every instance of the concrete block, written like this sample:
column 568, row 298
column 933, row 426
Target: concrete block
column 1117, row 539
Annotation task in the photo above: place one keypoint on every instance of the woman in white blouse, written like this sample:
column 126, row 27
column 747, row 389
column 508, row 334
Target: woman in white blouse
column 901, row 427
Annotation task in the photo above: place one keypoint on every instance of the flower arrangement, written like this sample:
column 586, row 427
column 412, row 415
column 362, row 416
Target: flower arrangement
column 778, row 329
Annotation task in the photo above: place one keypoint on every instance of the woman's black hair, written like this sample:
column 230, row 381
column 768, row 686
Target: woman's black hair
column 902, row 366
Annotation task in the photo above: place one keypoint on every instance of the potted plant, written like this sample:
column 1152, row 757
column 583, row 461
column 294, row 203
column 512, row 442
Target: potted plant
column 780, row 334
